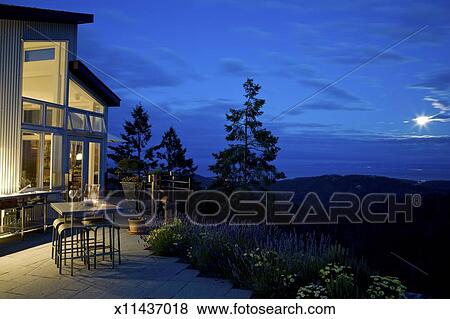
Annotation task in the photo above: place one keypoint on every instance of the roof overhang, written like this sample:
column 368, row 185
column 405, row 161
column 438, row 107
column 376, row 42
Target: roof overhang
column 12, row 12
column 89, row 79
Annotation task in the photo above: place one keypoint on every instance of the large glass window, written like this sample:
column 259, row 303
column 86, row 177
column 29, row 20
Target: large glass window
column 41, row 160
column 54, row 116
column 31, row 160
column 76, row 165
column 52, row 160
column 44, row 71
column 79, row 98
column 94, row 163
column 31, row 113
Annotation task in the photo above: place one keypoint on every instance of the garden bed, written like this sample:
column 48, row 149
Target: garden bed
column 274, row 263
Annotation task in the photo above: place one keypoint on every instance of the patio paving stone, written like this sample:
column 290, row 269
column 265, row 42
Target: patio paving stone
column 31, row 273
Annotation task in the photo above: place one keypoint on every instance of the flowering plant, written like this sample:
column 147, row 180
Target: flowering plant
column 386, row 287
column 312, row 291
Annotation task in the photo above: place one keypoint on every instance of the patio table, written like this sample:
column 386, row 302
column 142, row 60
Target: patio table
column 82, row 209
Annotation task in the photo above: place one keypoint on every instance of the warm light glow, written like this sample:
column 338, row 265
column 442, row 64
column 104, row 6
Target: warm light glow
column 79, row 157
column 422, row 120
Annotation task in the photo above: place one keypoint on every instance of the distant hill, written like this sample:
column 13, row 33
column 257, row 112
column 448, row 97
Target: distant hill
column 359, row 184
column 325, row 185
column 203, row 181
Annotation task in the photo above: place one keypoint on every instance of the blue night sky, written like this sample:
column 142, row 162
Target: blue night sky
column 191, row 58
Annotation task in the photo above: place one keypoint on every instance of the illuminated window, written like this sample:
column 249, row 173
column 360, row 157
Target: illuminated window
column 79, row 98
column 78, row 121
column 39, row 55
column 44, row 71
column 76, row 165
column 94, row 163
column 97, row 124
column 31, row 159
column 42, row 168
column 54, row 117
column 31, row 113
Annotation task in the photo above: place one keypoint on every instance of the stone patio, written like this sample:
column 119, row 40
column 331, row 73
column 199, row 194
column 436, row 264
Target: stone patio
column 31, row 273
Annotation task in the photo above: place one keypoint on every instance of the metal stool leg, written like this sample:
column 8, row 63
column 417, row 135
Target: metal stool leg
column 95, row 247
column 112, row 247
column 118, row 244
column 65, row 249
column 87, row 249
column 53, row 243
column 71, row 253
column 110, row 244
column 60, row 245
column 103, row 237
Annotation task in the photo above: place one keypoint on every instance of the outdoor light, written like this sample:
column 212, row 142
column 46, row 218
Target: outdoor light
column 79, row 157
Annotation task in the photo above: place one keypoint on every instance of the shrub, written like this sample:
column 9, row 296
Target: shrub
column 386, row 288
column 338, row 280
column 208, row 252
column 269, row 261
column 169, row 240
column 264, row 271
column 312, row 291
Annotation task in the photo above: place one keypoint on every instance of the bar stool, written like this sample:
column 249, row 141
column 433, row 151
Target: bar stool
column 77, row 242
column 56, row 223
column 95, row 224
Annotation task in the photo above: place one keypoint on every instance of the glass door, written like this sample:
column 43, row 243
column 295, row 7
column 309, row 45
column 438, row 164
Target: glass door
column 94, row 163
column 76, row 165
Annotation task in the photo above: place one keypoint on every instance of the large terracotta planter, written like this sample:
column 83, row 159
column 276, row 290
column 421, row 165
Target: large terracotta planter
column 136, row 226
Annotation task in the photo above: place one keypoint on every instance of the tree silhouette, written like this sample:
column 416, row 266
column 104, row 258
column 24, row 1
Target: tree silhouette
column 129, row 154
column 246, row 160
column 172, row 155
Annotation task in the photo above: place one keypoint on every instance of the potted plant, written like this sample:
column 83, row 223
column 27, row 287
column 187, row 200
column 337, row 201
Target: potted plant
column 132, row 186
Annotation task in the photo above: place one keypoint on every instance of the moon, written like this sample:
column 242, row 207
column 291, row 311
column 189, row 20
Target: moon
column 422, row 120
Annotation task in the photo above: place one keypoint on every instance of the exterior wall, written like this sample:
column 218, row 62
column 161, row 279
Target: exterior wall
column 11, row 35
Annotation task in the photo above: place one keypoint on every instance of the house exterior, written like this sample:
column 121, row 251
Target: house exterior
column 53, row 108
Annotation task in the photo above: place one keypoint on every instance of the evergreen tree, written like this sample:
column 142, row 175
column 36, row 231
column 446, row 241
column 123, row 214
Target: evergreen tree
column 129, row 154
column 246, row 162
column 172, row 155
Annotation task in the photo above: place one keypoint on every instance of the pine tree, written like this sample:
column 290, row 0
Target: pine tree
column 129, row 155
column 246, row 162
column 172, row 155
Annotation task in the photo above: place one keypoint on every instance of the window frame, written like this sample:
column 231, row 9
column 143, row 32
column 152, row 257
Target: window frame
column 43, row 125
column 41, row 158
column 87, row 91
column 65, row 81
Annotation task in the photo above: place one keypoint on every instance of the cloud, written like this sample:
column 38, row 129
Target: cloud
column 232, row 66
column 132, row 69
column 333, row 91
column 444, row 110
column 284, row 66
column 357, row 55
column 437, row 104
column 168, row 54
column 328, row 106
column 438, row 82
column 140, row 68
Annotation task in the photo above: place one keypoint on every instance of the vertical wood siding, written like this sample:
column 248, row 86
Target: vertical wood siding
column 11, row 35
column 10, row 112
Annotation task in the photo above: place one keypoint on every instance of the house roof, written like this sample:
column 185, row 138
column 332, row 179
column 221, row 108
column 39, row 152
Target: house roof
column 96, row 85
column 12, row 12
